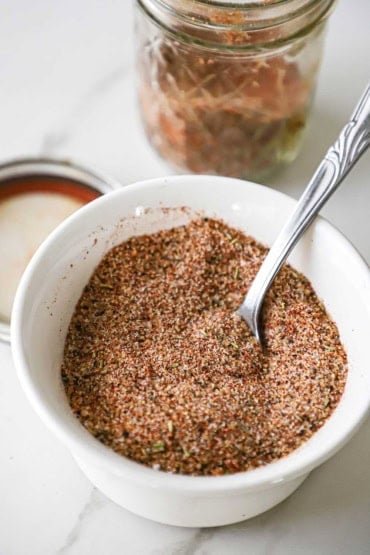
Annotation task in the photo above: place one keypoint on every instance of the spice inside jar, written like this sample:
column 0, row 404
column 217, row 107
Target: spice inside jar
column 228, row 89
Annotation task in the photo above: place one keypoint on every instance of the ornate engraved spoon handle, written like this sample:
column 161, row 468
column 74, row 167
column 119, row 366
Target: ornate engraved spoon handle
column 352, row 142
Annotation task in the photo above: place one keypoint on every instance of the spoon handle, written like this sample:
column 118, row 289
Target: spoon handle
column 352, row 142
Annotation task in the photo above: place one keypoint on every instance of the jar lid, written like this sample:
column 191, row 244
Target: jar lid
column 36, row 194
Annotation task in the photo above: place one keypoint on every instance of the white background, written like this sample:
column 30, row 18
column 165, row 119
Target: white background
column 67, row 90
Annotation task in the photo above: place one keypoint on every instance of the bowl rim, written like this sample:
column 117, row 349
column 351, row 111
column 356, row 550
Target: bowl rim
column 85, row 446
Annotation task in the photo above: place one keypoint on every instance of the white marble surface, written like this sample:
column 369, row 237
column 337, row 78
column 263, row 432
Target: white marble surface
column 66, row 89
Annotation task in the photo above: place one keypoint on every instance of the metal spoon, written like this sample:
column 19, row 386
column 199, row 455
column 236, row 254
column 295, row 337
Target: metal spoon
column 352, row 142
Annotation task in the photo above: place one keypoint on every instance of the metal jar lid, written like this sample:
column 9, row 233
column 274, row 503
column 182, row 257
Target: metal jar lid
column 78, row 176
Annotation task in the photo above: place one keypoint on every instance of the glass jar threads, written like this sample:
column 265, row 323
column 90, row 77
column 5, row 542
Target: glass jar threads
column 226, row 87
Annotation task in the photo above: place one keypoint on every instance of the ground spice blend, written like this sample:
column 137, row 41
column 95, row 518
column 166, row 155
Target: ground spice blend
column 158, row 366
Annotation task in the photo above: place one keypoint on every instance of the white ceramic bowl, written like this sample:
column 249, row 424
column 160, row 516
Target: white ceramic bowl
column 54, row 280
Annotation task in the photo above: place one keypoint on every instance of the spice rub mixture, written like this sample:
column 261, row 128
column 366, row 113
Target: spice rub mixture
column 208, row 114
column 158, row 366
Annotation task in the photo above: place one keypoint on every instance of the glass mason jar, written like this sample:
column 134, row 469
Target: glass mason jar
column 226, row 87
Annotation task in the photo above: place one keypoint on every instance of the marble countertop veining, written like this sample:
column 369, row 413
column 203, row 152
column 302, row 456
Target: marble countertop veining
column 66, row 89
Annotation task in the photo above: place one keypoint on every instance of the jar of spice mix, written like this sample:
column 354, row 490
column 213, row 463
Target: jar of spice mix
column 226, row 87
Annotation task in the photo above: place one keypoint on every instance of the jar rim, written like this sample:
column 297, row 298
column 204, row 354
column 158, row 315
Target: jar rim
column 188, row 21
column 243, row 4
